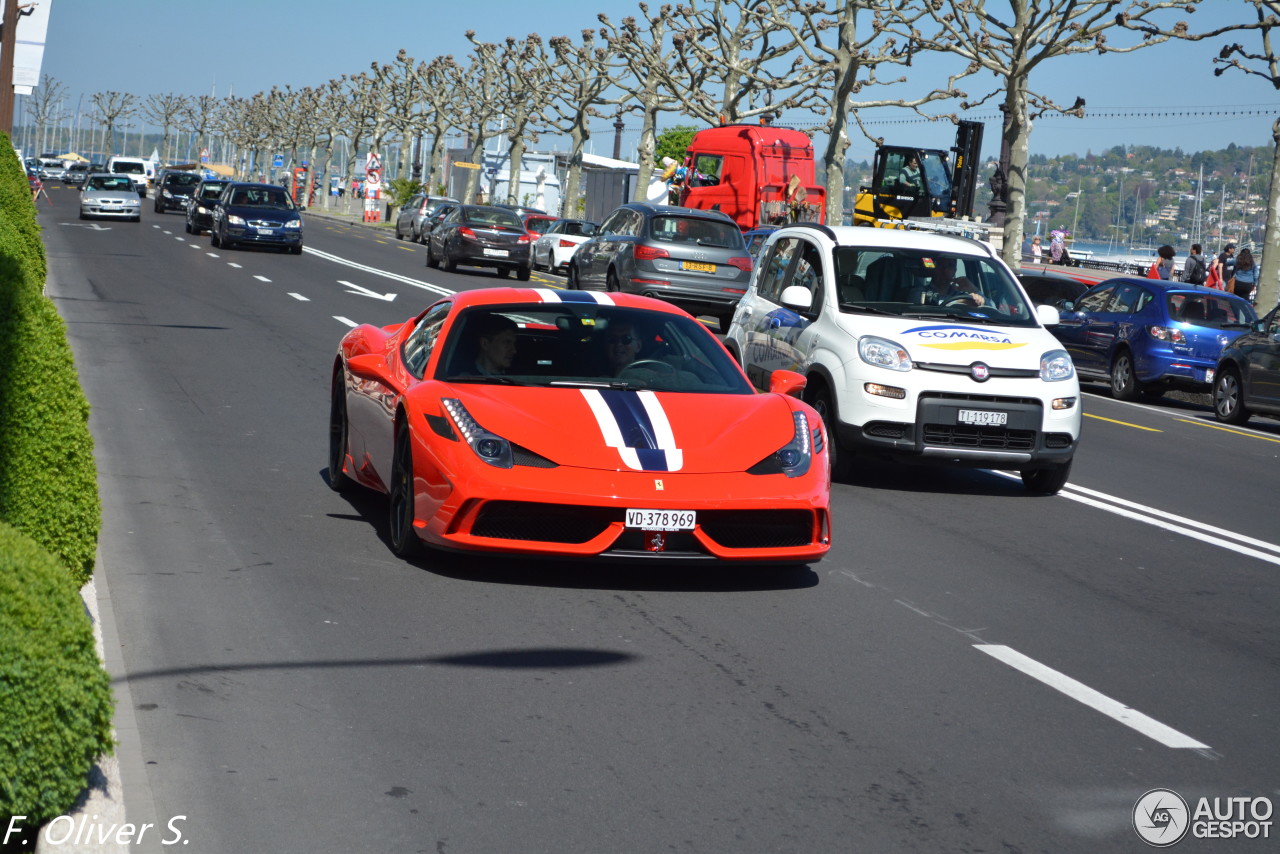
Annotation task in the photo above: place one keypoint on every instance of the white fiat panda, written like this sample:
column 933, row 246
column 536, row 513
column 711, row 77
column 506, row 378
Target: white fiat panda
column 914, row 345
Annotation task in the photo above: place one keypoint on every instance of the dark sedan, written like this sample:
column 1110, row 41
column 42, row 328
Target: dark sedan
column 1047, row 287
column 481, row 236
column 258, row 214
column 203, row 200
column 174, row 189
column 1248, row 378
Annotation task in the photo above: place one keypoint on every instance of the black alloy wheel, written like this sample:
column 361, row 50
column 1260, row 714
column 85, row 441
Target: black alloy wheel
column 1046, row 480
column 571, row 278
column 523, row 273
column 404, row 541
column 338, row 479
column 1228, row 398
column 611, row 282
column 1124, row 385
column 841, row 456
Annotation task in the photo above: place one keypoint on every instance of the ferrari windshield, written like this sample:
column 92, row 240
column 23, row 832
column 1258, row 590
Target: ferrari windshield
column 587, row 345
column 919, row 283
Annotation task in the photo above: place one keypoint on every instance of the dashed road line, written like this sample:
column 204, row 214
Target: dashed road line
column 299, row 297
column 1132, row 718
column 1247, row 433
column 345, row 320
column 263, row 279
column 1122, row 423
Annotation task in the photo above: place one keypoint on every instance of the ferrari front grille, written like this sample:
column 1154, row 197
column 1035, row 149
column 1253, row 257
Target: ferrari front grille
column 547, row 523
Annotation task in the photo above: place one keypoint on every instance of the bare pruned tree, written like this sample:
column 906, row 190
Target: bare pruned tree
column 111, row 108
column 1011, row 42
column 730, row 60
column 165, row 112
column 44, row 107
column 198, row 117
column 441, row 80
column 846, row 61
column 579, row 76
column 522, row 85
column 1260, row 61
column 481, row 105
column 644, row 48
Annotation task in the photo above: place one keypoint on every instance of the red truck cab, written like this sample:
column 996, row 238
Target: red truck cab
column 757, row 174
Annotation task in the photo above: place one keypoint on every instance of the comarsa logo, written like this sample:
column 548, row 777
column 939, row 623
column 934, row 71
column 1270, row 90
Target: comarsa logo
column 962, row 338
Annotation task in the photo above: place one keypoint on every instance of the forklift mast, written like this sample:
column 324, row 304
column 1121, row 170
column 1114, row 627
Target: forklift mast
column 964, row 178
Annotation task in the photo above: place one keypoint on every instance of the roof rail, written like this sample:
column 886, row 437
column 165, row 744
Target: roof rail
column 819, row 226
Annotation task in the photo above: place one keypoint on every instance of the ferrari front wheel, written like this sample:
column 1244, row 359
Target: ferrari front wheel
column 404, row 540
column 338, row 479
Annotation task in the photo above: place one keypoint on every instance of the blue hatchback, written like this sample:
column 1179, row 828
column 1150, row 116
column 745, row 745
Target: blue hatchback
column 1147, row 336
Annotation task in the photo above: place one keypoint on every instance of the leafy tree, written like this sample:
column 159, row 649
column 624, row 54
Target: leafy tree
column 673, row 142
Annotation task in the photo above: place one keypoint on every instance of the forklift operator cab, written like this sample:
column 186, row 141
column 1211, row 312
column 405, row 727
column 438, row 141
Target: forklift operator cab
column 896, row 198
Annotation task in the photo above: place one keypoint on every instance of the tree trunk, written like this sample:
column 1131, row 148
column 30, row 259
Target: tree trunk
column 473, row 175
column 1269, row 274
column 571, row 191
column 645, row 151
column 513, row 168
column 435, row 168
column 1017, row 131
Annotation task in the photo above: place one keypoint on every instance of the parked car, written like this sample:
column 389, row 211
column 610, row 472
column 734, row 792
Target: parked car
column 257, row 214
column 692, row 258
column 1146, row 336
column 480, row 236
column 1247, row 378
column 412, row 218
column 204, row 197
column 1049, row 287
column 914, row 345
column 552, row 250
column 549, row 445
column 174, row 188
column 113, row 196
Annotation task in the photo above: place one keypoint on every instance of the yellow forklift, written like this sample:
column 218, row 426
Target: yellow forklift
column 913, row 183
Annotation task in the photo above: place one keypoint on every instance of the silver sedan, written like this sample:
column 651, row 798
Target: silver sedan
column 110, row 196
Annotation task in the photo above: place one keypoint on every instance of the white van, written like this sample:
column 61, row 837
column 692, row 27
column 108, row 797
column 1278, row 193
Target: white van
column 913, row 345
column 140, row 170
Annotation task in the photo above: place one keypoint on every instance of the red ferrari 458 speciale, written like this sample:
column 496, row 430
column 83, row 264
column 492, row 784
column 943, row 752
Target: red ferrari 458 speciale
column 576, row 424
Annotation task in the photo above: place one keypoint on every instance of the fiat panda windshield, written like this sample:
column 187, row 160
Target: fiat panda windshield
column 918, row 283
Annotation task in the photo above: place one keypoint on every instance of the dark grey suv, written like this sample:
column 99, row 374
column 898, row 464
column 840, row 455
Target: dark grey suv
column 411, row 220
column 695, row 259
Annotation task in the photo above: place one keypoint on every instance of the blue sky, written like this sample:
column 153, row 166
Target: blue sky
column 191, row 47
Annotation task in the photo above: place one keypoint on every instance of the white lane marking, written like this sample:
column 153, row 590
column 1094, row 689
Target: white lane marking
column 212, row 254
column 348, row 321
column 234, row 264
column 298, row 297
column 359, row 291
column 426, row 286
column 1219, row 537
column 193, row 246
column 263, row 279
column 179, row 239
column 1148, row 726
column 168, row 232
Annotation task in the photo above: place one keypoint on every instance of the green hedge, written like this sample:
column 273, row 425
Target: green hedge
column 55, row 698
column 48, row 480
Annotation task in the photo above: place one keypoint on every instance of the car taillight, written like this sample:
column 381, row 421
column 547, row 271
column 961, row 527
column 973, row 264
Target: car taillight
column 467, row 233
column 743, row 264
column 1165, row 333
column 565, row 244
column 649, row 253
column 524, row 238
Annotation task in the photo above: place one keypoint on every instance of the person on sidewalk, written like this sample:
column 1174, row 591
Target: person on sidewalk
column 1196, row 270
column 1225, row 266
column 1244, row 282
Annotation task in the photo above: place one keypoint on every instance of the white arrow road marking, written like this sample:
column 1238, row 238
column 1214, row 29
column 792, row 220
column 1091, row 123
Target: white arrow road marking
column 263, row 279
column 92, row 226
column 348, row 321
column 298, row 297
column 1149, row 727
column 366, row 292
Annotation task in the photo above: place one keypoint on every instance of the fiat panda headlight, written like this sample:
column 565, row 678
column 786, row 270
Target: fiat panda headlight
column 1056, row 366
column 884, row 353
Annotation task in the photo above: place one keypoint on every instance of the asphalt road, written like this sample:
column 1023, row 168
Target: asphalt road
column 970, row 669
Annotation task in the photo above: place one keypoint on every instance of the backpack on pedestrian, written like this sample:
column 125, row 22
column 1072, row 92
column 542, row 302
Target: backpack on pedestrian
column 1193, row 271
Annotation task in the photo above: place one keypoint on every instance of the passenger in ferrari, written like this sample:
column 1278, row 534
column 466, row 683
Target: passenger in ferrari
column 495, row 338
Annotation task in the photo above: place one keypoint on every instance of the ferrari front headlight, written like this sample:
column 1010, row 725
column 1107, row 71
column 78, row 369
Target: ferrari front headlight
column 490, row 447
column 793, row 458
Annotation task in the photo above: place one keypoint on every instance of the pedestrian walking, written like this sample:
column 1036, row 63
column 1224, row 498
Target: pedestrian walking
column 1057, row 248
column 1244, row 281
column 1225, row 266
column 1037, row 251
column 1195, row 271
column 1162, row 268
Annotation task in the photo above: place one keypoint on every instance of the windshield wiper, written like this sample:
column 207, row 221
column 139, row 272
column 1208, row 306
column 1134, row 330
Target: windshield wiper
column 483, row 380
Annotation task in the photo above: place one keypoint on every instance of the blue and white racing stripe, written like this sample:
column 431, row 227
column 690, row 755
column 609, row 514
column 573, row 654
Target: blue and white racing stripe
column 635, row 423
column 552, row 295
